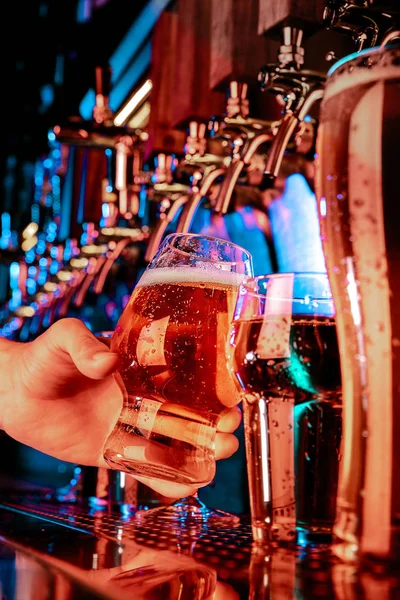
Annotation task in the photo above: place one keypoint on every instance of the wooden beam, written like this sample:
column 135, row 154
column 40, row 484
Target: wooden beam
column 306, row 14
column 193, row 98
column 163, row 137
column 237, row 51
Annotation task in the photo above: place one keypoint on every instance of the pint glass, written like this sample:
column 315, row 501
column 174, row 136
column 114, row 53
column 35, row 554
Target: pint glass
column 174, row 376
column 286, row 358
column 358, row 189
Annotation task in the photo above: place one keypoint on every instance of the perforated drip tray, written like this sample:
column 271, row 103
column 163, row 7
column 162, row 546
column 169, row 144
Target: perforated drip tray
column 229, row 548
column 115, row 556
column 119, row 553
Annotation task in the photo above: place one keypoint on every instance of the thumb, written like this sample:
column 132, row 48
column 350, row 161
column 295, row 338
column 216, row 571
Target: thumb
column 90, row 356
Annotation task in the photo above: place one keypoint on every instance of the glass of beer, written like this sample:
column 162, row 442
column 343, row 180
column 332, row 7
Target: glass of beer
column 172, row 342
column 358, row 190
column 286, row 359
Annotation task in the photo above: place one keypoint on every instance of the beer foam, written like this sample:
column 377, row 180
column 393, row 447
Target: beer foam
column 182, row 275
column 383, row 69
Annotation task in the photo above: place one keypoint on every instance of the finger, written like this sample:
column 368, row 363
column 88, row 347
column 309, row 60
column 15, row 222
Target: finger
column 226, row 444
column 89, row 355
column 229, row 420
column 168, row 488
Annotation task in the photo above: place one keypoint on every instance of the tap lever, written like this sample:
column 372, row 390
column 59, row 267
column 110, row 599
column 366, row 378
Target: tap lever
column 196, row 142
column 237, row 103
column 102, row 113
column 291, row 51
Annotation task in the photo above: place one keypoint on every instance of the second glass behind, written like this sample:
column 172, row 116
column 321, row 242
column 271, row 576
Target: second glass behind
column 172, row 341
column 286, row 358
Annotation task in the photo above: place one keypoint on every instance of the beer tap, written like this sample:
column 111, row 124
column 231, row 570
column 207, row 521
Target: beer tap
column 368, row 22
column 296, row 89
column 170, row 195
column 199, row 166
column 244, row 150
column 244, row 135
column 102, row 162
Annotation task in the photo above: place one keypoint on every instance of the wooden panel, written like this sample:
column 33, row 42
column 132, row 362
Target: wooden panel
column 162, row 136
column 272, row 13
column 193, row 98
column 237, row 51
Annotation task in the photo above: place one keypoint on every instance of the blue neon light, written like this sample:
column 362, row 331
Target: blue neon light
column 82, row 189
column 14, row 275
column 66, row 198
column 126, row 51
column 132, row 74
column 5, row 222
column 123, row 86
column 136, row 35
column 350, row 57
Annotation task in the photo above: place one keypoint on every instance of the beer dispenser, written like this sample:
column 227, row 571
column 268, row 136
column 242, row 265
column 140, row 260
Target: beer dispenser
column 101, row 161
column 358, row 190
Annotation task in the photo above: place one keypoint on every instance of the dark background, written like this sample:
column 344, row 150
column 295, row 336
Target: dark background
column 42, row 33
column 50, row 53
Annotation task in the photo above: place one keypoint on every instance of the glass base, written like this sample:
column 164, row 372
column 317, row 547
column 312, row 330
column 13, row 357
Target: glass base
column 187, row 511
column 143, row 469
column 313, row 537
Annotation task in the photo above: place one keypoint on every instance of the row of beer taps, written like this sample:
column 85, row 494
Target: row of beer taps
column 141, row 203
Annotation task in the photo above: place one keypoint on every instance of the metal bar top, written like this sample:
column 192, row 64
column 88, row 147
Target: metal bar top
column 73, row 552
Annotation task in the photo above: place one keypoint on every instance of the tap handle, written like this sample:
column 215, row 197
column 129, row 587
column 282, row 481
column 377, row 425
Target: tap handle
column 103, row 80
column 291, row 51
column 165, row 165
column 102, row 112
column 196, row 142
column 237, row 103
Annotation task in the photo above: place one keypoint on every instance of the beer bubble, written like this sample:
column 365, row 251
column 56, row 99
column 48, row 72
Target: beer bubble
column 364, row 433
column 250, row 357
column 307, row 456
column 275, row 423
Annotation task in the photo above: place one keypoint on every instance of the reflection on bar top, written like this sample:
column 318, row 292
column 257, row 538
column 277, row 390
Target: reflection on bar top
column 97, row 554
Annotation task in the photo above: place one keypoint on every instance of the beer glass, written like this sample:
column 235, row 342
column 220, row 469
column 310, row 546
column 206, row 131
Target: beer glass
column 172, row 339
column 358, row 190
column 285, row 356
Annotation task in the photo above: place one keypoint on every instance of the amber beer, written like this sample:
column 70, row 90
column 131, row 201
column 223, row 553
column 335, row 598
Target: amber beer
column 359, row 204
column 171, row 340
column 306, row 381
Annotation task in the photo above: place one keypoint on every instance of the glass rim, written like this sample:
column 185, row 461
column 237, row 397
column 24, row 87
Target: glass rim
column 168, row 238
column 355, row 55
column 248, row 280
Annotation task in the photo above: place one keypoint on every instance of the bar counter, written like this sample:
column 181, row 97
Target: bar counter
column 63, row 551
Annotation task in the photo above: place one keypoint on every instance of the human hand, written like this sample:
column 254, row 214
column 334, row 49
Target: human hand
column 60, row 398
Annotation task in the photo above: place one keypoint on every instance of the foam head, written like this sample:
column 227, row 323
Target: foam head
column 190, row 275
